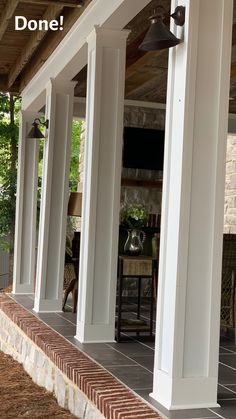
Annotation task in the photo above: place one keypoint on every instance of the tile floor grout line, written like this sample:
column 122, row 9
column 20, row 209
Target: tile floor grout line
column 230, row 350
column 131, row 360
column 114, row 365
column 55, row 325
column 228, row 366
column 138, row 341
column 140, row 389
column 225, row 353
column 231, row 384
column 66, row 320
column 212, row 411
column 226, row 388
column 223, row 400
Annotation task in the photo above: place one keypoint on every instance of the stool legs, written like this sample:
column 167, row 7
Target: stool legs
column 72, row 287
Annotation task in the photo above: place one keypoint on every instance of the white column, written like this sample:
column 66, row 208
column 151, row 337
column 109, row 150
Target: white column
column 101, row 199
column 188, row 318
column 26, row 208
column 52, row 228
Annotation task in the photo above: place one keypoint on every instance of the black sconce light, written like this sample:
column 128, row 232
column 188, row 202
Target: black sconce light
column 35, row 131
column 158, row 35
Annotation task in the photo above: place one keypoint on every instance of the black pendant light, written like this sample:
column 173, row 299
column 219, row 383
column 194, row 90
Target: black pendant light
column 35, row 131
column 158, row 35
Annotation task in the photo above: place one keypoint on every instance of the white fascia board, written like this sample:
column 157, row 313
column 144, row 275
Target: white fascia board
column 143, row 104
column 70, row 56
column 80, row 106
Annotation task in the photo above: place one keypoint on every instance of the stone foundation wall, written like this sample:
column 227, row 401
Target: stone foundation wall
column 43, row 371
column 79, row 383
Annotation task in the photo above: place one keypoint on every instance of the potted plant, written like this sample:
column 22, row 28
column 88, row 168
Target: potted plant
column 134, row 217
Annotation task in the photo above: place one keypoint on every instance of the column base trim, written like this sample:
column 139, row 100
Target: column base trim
column 184, row 393
column 47, row 306
column 187, row 407
column 22, row 289
column 95, row 333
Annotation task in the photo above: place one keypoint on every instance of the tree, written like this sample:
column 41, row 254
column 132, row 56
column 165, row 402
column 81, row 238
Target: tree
column 77, row 129
column 9, row 126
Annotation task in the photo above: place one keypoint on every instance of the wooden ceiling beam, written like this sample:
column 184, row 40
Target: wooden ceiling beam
column 143, row 83
column 63, row 3
column 52, row 12
column 4, row 85
column 46, row 48
column 6, row 15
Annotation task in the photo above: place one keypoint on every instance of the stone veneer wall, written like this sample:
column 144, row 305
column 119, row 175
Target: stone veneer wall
column 140, row 117
column 155, row 118
column 230, row 187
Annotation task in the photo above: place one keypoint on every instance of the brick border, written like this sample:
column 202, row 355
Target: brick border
column 110, row 396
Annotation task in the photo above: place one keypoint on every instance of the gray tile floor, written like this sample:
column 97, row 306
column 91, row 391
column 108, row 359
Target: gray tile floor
column 132, row 363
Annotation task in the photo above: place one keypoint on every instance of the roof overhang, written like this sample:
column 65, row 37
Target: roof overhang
column 71, row 54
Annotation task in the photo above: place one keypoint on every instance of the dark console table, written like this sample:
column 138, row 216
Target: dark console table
column 138, row 268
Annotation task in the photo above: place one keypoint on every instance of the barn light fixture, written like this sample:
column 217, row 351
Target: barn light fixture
column 35, row 131
column 158, row 35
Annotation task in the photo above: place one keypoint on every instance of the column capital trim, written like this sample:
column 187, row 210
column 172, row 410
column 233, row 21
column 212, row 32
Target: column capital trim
column 107, row 37
column 62, row 86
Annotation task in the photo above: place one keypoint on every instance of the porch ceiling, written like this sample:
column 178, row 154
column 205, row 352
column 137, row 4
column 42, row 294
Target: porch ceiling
column 23, row 53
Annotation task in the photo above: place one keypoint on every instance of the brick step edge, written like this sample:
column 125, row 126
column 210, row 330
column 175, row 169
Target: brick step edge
column 106, row 393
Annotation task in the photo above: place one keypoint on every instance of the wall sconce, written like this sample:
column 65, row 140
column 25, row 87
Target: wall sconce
column 158, row 35
column 35, row 131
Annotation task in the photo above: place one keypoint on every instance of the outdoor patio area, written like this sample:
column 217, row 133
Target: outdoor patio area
column 131, row 362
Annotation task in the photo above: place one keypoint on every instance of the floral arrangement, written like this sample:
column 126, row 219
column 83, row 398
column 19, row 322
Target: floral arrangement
column 134, row 216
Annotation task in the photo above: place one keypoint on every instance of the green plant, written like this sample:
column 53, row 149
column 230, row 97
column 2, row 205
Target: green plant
column 9, row 122
column 134, row 216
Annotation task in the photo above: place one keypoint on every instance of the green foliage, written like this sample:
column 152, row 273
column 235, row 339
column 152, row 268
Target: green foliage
column 9, row 128
column 77, row 129
column 134, row 216
column 9, row 122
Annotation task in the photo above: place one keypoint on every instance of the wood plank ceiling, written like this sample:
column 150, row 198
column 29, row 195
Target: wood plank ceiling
column 23, row 53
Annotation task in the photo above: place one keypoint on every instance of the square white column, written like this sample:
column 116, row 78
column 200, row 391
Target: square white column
column 26, row 208
column 54, row 199
column 189, row 290
column 102, row 177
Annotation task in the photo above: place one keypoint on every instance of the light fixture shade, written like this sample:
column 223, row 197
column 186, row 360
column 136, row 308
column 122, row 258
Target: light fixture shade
column 75, row 204
column 35, row 132
column 158, row 36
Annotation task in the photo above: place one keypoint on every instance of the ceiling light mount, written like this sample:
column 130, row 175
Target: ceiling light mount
column 179, row 15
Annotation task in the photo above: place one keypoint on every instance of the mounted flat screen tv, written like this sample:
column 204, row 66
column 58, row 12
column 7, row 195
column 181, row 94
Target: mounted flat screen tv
column 143, row 148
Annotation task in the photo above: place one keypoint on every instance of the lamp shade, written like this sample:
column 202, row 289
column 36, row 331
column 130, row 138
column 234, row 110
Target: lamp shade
column 158, row 36
column 75, row 204
column 35, row 132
